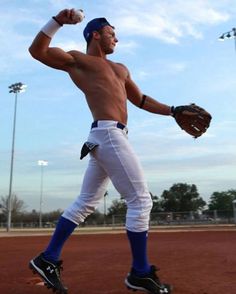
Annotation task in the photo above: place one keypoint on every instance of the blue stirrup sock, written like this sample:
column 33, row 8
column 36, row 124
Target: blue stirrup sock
column 138, row 244
column 63, row 231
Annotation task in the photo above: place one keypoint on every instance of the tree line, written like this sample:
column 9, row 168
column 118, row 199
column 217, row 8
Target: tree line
column 180, row 197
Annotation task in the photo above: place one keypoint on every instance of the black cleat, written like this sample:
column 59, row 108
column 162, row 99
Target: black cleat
column 49, row 272
column 149, row 283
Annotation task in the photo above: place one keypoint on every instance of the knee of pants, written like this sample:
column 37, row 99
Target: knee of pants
column 78, row 211
column 137, row 217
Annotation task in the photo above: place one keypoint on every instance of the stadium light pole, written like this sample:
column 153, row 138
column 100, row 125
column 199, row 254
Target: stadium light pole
column 42, row 164
column 229, row 35
column 234, row 208
column 105, row 208
column 14, row 88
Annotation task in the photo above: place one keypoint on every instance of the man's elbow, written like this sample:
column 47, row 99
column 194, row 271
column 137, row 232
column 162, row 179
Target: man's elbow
column 32, row 52
column 35, row 53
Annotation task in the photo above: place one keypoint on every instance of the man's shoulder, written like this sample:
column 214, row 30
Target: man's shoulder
column 76, row 53
column 125, row 68
column 120, row 65
column 80, row 58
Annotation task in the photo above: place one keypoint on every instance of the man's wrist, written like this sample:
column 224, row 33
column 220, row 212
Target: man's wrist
column 172, row 111
column 56, row 19
column 51, row 27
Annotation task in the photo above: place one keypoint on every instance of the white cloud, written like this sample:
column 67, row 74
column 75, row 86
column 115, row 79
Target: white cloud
column 127, row 47
column 141, row 75
column 168, row 20
column 72, row 45
column 169, row 142
column 170, row 68
column 61, row 4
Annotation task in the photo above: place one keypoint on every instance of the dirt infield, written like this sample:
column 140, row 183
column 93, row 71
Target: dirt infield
column 201, row 262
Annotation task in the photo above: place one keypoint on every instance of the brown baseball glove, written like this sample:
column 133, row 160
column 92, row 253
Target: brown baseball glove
column 192, row 119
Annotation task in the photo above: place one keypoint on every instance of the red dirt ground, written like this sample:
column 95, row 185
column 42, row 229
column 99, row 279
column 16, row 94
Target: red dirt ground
column 193, row 262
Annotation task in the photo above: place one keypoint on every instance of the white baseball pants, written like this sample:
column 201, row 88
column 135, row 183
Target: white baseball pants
column 113, row 159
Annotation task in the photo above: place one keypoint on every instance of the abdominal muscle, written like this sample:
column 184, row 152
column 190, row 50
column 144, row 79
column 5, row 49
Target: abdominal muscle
column 108, row 108
column 104, row 89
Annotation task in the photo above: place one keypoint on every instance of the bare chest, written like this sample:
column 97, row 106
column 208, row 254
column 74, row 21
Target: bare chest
column 109, row 69
column 93, row 73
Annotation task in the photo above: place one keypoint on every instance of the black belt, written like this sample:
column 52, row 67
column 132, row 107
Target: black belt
column 118, row 125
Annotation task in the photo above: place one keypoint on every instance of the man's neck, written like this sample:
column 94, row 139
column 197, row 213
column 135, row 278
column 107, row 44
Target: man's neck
column 96, row 51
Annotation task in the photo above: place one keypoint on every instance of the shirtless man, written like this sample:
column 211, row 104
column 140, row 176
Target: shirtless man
column 106, row 86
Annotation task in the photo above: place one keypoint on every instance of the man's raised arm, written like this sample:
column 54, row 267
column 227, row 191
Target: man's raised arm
column 52, row 56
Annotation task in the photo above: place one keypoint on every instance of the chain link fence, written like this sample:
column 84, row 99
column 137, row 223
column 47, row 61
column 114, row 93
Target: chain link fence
column 156, row 219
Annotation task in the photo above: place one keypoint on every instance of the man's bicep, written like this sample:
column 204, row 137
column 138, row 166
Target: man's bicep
column 134, row 94
column 58, row 58
column 51, row 56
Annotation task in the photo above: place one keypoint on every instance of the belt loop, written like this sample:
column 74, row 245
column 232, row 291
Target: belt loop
column 118, row 125
column 94, row 124
column 122, row 127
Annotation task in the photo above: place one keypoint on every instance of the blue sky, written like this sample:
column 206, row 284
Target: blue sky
column 173, row 54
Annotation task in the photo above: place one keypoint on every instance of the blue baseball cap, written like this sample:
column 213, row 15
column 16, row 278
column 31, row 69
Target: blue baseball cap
column 94, row 25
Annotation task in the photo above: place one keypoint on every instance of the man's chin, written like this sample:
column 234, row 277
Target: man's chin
column 110, row 51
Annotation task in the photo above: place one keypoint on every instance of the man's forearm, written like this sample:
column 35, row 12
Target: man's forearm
column 44, row 37
column 151, row 105
column 51, row 27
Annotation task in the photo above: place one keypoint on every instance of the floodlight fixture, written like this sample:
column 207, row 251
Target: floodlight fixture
column 14, row 88
column 221, row 38
column 229, row 35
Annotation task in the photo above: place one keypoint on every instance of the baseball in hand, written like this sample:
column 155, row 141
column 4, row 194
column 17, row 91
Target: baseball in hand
column 78, row 15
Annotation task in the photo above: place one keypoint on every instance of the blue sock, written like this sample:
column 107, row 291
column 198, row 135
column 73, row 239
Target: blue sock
column 138, row 244
column 63, row 231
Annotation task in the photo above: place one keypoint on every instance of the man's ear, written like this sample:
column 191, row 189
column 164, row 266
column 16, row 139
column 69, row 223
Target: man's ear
column 96, row 35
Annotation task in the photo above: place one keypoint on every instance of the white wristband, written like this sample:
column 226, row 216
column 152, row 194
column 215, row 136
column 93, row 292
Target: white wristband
column 50, row 28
